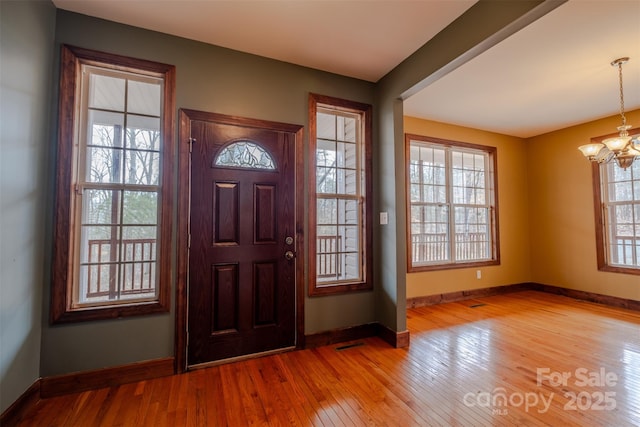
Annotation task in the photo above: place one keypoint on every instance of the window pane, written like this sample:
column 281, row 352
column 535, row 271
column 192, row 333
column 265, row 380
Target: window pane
column 143, row 133
column 351, row 253
column 142, row 160
column 347, row 212
column 326, row 180
column 98, row 244
column 414, row 172
column 140, row 207
column 472, row 234
column 346, row 155
column 139, row 232
column 326, row 126
column 142, row 167
column 472, row 237
column 326, row 153
column 104, row 153
column 468, row 178
column 338, row 245
column 144, row 98
column 94, row 282
column 346, row 181
column 415, row 192
column 105, row 129
column 346, row 129
column 106, row 93
column 139, row 267
column 327, row 211
column 430, row 234
column 104, row 165
column 620, row 191
column 434, row 173
column 98, row 207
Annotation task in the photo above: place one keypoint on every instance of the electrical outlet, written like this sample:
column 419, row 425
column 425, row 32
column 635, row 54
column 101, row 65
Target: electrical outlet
column 478, row 274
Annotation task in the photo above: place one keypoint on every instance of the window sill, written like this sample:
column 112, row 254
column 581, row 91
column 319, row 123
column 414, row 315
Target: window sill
column 452, row 266
column 111, row 312
column 342, row 288
column 621, row 270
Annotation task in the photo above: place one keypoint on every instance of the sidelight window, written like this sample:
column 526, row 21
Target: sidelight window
column 340, row 223
column 113, row 197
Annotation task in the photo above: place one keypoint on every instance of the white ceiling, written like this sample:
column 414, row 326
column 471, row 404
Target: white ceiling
column 549, row 75
column 552, row 74
column 357, row 38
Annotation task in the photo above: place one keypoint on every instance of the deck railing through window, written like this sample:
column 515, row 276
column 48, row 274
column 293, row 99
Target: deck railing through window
column 138, row 268
column 625, row 250
column 329, row 263
column 434, row 247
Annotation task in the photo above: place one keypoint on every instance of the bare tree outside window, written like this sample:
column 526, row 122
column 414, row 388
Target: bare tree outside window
column 451, row 204
column 116, row 160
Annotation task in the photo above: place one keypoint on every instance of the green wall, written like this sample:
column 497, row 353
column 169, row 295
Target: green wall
column 26, row 43
column 212, row 79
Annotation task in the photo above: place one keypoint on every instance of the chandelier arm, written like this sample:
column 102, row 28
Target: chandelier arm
column 620, row 148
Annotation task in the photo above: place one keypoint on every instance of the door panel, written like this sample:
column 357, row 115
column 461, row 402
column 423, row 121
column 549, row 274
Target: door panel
column 226, row 219
column 225, row 298
column 241, row 286
column 265, row 203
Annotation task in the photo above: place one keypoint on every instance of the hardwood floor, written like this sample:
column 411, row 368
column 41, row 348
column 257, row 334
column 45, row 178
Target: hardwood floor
column 490, row 361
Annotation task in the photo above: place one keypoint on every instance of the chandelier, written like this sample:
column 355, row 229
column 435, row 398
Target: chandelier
column 623, row 148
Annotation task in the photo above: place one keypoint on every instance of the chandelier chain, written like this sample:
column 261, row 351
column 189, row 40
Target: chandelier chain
column 622, row 148
column 624, row 119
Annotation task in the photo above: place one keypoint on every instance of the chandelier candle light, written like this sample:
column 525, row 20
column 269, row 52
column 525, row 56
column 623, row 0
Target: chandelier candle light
column 623, row 148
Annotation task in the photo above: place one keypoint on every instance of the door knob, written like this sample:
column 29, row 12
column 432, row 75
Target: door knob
column 289, row 255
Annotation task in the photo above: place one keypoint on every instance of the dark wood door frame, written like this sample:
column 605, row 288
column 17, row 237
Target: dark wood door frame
column 184, row 186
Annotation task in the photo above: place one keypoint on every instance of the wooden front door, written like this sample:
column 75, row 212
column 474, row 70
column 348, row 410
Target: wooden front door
column 242, row 290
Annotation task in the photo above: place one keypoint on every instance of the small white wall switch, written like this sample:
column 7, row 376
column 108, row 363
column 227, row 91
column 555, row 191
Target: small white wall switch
column 384, row 218
column 478, row 274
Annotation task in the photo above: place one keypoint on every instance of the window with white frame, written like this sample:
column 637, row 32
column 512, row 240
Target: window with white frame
column 340, row 220
column 113, row 207
column 619, row 199
column 452, row 216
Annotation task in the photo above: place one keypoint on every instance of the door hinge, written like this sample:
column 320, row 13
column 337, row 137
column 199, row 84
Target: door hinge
column 191, row 142
column 189, row 242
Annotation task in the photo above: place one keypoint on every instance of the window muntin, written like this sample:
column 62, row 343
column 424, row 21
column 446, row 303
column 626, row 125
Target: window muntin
column 112, row 209
column 340, row 222
column 451, row 212
column 621, row 213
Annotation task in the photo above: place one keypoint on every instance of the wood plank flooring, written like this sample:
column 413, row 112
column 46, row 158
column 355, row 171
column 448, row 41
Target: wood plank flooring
column 490, row 361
